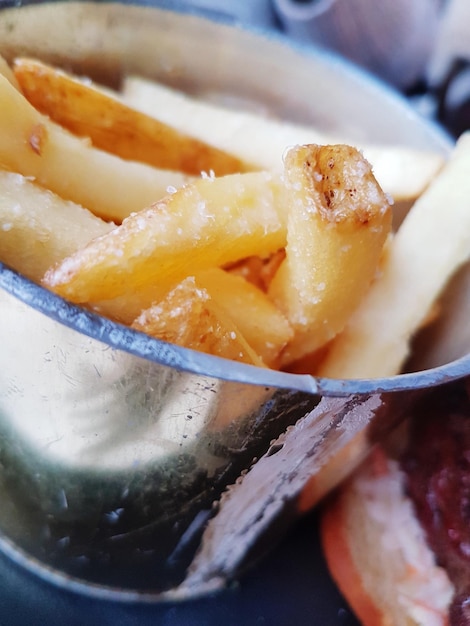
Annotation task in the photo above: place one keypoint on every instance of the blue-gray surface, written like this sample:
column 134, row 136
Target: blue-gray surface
column 291, row 586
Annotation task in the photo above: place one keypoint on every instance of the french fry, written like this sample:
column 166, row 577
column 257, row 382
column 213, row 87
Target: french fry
column 338, row 221
column 431, row 244
column 260, row 322
column 113, row 126
column 126, row 308
column 32, row 145
column 38, row 228
column 401, row 171
column 5, row 70
column 307, row 241
column 189, row 317
column 258, row 271
column 208, row 223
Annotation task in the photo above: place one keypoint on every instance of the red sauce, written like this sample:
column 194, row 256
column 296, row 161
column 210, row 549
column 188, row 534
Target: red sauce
column 437, row 465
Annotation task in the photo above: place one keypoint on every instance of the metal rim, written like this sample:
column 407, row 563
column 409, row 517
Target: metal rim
column 121, row 337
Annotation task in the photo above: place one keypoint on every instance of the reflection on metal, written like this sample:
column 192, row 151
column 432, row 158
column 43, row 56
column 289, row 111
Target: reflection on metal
column 108, row 459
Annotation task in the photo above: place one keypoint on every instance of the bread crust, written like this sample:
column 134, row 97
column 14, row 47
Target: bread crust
column 342, row 566
column 377, row 553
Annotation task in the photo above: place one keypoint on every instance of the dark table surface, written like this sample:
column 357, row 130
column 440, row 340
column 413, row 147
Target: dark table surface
column 290, row 586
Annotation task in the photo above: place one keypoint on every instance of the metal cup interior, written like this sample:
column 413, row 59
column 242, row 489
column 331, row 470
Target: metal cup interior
column 113, row 446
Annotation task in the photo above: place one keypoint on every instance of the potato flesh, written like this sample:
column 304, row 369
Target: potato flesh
column 7, row 72
column 261, row 323
column 205, row 225
column 114, row 127
column 254, row 269
column 432, row 242
column 257, row 270
column 337, row 224
column 328, row 208
column 38, row 228
column 264, row 327
column 110, row 187
column 189, row 317
column 401, row 171
column 208, row 223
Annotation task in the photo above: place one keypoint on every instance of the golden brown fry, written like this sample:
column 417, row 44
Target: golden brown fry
column 110, row 187
column 338, row 221
column 260, row 322
column 38, row 228
column 5, row 70
column 113, row 126
column 126, row 308
column 401, row 171
column 189, row 317
column 252, row 137
column 258, row 271
column 432, row 242
column 209, row 223
column 265, row 325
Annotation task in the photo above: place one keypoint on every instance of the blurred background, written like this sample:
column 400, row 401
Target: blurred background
column 422, row 47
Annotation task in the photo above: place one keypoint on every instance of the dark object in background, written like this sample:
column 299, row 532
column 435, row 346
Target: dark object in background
column 453, row 98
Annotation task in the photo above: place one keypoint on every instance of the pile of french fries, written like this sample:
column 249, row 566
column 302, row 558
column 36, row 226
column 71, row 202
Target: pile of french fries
column 224, row 231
